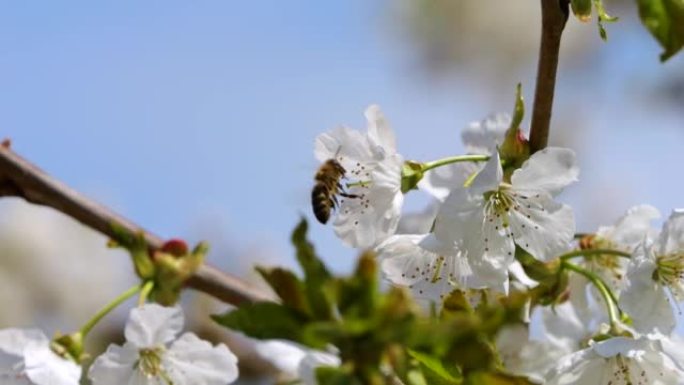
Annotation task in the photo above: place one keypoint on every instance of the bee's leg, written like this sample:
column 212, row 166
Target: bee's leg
column 334, row 201
column 346, row 195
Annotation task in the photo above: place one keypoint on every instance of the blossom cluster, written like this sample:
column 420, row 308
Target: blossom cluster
column 152, row 354
column 495, row 209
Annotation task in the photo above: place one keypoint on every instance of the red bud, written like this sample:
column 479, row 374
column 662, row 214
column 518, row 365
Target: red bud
column 176, row 247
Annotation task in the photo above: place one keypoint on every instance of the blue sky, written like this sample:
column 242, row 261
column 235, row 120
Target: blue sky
column 191, row 115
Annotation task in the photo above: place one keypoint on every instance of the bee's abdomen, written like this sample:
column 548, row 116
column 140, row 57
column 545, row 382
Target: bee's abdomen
column 321, row 202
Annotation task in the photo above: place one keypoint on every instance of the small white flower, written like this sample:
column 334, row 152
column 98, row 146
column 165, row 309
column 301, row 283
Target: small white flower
column 490, row 217
column 621, row 360
column 147, row 358
column 283, row 355
column 524, row 356
column 431, row 270
column 655, row 271
column 26, row 359
column 627, row 233
column 294, row 360
column 480, row 138
column 373, row 167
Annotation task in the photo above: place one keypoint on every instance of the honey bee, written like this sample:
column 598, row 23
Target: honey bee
column 326, row 189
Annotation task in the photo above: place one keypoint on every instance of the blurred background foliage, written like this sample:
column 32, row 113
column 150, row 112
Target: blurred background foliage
column 197, row 120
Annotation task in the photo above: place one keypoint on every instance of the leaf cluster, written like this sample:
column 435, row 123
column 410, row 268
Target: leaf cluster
column 381, row 337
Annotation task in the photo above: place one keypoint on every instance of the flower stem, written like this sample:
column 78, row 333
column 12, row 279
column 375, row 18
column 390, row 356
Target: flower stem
column 145, row 292
column 588, row 252
column 606, row 293
column 454, row 159
column 111, row 306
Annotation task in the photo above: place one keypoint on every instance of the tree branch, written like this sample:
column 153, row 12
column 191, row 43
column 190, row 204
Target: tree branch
column 554, row 16
column 22, row 179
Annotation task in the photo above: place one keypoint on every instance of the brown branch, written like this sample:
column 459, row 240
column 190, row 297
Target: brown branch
column 20, row 178
column 554, row 16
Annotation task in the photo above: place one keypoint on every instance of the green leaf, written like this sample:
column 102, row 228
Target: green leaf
column 316, row 275
column 487, row 378
column 358, row 294
column 264, row 320
column 330, row 375
column 434, row 370
column 288, row 287
column 665, row 20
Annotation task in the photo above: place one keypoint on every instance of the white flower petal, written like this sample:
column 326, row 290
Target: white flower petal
column 284, row 355
column 563, row 326
column 580, row 368
column 490, row 177
column 44, row 367
column 117, row 366
column 379, row 131
column 542, row 227
column 630, row 229
column 550, row 169
column 153, row 325
column 614, row 346
column 459, row 213
column 26, row 358
column 620, row 360
column 16, row 341
column 644, row 299
column 430, row 275
column 342, row 142
column 523, row 356
column 484, row 136
column 192, row 361
column 671, row 239
column 365, row 221
column 439, row 181
column 418, row 222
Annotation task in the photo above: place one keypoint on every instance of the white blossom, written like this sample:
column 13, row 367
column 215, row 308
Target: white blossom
column 153, row 354
column 649, row 359
column 625, row 235
column 524, row 356
column 26, row 359
column 431, row 270
column 371, row 211
column 283, row 355
column 656, row 271
column 491, row 216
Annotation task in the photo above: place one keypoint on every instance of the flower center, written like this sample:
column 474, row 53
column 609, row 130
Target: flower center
column 498, row 205
column 150, row 362
column 604, row 263
column 670, row 271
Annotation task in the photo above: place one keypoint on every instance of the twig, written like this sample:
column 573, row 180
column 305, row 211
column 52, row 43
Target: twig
column 554, row 16
column 22, row 179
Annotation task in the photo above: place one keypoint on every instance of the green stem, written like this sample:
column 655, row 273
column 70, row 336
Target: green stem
column 111, row 306
column 145, row 292
column 454, row 159
column 586, row 253
column 606, row 293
